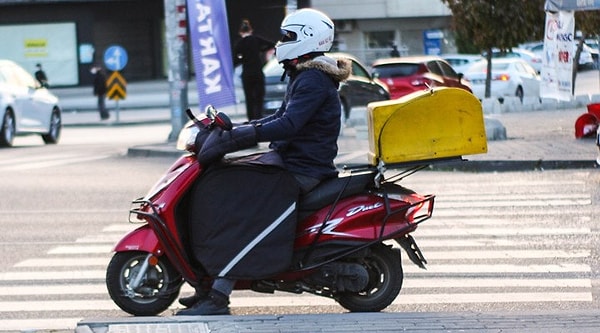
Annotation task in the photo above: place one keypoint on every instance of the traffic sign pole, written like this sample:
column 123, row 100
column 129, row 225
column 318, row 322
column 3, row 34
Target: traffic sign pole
column 115, row 59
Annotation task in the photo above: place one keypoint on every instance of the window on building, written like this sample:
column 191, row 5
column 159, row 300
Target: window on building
column 379, row 39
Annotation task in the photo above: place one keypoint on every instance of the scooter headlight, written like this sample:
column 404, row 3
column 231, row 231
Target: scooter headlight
column 187, row 137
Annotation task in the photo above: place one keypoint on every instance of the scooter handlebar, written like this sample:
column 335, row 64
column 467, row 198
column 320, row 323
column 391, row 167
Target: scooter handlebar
column 211, row 118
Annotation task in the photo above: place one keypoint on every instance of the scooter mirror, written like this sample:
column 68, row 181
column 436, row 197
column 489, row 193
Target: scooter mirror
column 211, row 112
column 223, row 121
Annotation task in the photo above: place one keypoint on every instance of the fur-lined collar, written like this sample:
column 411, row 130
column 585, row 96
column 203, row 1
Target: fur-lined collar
column 339, row 69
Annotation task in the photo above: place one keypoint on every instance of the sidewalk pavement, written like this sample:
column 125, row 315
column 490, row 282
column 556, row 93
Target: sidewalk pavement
column 584, row 321
column 535, row 140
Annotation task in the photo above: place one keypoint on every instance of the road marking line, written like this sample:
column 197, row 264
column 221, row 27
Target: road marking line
column 66, row 289
column 53, row 163
column 432, row 230
column 505, row 254
column 309, row 300
column 63, row 262
column 81, row 249
column 25, row 325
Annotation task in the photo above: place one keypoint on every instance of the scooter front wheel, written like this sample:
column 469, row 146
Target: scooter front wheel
column 157, row 287
column 385, row 281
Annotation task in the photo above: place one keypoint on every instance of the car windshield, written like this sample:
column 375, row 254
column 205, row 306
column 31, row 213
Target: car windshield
column 395, row 70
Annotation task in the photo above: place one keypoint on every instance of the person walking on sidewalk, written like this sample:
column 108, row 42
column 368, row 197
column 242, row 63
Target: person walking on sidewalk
column 249, row 52
column 100, row 90
column 40, row 75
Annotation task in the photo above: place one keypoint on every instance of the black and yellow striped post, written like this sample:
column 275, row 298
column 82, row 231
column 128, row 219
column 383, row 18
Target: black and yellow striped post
column 116, row 89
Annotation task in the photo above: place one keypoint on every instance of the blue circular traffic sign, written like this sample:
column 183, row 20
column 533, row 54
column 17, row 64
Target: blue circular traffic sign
column 115, row 58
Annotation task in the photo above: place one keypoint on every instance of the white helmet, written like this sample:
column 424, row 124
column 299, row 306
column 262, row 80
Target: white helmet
column 304, row 31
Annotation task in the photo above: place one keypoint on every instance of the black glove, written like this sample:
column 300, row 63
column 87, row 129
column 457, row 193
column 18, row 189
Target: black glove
column 200, row 138
column 220, row 142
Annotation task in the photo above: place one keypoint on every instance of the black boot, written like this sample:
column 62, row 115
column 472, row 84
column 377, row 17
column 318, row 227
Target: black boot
column 216, row 304
column 190, row 301
column 200, row 294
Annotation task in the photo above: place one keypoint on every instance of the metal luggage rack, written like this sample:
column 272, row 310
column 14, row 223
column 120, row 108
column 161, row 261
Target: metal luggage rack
column 406, row 169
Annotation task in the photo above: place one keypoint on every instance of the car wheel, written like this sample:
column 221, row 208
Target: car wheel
column 54, row 131
column 7, row 131
column 519, row 93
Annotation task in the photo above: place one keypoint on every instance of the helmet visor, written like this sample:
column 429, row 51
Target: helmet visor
column 288, row 36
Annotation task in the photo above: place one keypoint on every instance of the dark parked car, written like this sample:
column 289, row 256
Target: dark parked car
column 409, row 74
column 358, row 90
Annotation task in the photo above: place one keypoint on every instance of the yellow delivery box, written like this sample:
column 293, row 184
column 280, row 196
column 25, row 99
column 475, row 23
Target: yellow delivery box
column 433, row 124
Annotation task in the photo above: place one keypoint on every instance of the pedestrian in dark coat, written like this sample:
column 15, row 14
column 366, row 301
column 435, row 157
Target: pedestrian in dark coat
column 40, row 75
column 100, row 90
column 249, row 52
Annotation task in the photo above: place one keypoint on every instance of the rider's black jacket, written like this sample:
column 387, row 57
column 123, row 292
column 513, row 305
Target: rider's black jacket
column 305, row 129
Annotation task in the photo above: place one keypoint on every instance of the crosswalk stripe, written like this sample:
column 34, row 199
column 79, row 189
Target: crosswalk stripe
column 26, row 325
column 121, row 227
column 309, row 300
column 431, row 242
column 473, row 212
column 53, row 163
column 431, row 268
column 430, row 230
column 515, row 203
column 429, row 283
column 53, row 275
column 58, row 305
column 506, row 254
column 409, row 283
column 81, row 249
column 499, row 268
column 28, row 159
column 408, row 299
column 63, row 262
column 470, row 243
column 67, row 289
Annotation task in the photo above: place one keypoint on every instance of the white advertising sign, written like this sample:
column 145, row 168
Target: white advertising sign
column 557, row 60
column 52, row 45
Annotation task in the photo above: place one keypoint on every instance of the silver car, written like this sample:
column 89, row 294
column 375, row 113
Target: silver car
column 509, row 77
column 26, row 107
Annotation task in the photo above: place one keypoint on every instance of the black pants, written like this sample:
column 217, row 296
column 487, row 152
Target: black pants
column 254, row 91
column 102, row 107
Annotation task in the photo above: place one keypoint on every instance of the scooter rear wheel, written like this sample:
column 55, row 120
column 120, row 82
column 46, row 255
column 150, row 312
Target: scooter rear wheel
column 385, row 281
column 150, row 298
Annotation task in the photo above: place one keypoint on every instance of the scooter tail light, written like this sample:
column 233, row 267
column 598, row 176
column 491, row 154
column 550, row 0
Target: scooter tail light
column 420, row 211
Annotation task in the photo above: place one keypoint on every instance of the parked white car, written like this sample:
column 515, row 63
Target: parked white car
column 26, row 107
column 510, row 77
column 461, row 62
column 531, row 58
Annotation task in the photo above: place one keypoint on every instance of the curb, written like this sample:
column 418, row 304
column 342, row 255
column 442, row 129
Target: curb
column 168, row 150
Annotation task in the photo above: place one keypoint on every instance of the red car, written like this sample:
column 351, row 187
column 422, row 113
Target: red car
column 409, row 74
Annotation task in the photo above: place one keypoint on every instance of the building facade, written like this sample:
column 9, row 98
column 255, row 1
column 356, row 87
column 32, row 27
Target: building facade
column 369, row 28
column 68, row 37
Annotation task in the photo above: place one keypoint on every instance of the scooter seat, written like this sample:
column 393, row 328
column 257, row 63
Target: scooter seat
column 329, row 190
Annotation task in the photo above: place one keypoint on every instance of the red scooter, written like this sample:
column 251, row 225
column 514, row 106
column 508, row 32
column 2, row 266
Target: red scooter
column 339, row 250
